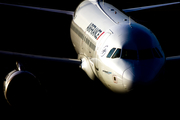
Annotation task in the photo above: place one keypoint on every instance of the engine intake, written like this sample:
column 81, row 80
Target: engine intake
column 21, row 88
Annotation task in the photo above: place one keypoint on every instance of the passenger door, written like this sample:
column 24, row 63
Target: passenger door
column 101, row 49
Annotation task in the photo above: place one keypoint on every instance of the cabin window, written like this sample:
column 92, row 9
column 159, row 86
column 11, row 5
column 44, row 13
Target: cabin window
column 117, row 54
column 129, row 54
column 111, row 52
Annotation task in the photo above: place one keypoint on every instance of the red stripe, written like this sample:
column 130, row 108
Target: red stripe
column 100, row 35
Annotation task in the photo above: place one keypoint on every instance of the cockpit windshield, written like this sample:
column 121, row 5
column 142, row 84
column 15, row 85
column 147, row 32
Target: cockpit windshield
column 129, row 54
column 135, row 54
column 111, row 52
column 117, row 54
column 145, row 54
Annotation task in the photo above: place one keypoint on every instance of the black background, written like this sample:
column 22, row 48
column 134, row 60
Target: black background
column 70, row 93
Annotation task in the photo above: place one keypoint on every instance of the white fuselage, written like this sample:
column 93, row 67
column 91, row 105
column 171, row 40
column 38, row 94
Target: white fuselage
column 113, row 47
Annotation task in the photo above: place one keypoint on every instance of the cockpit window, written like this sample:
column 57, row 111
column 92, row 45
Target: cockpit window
column 159, row 52
column 156, row 53
column 111, row 52
column 135, row 54
column 129, row 54
column 117, row 54
column 145, row 54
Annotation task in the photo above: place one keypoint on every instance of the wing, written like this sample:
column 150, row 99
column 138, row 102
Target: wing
column 22, row 56
column 148, row 7
column 173, row 59
column 42, row 9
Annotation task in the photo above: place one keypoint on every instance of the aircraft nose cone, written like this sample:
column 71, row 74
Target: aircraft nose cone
column 128, row 79
column 133, row 77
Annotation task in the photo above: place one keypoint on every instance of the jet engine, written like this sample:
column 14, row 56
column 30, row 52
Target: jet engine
column 21, row 88
column 87, row 68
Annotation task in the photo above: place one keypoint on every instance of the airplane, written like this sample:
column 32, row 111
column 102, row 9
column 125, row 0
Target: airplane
column 111, row 46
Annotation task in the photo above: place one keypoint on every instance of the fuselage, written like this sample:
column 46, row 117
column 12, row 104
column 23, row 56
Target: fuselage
column 113, row 47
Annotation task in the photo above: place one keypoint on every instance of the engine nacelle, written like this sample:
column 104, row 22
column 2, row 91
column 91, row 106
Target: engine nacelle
column 21, row 88
column 87, row 68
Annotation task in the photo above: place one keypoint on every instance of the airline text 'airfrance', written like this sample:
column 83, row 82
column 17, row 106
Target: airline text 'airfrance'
column 94, row 31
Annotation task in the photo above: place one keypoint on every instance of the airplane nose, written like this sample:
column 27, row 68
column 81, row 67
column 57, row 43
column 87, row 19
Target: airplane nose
column 128, row 79
column 135, row 77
